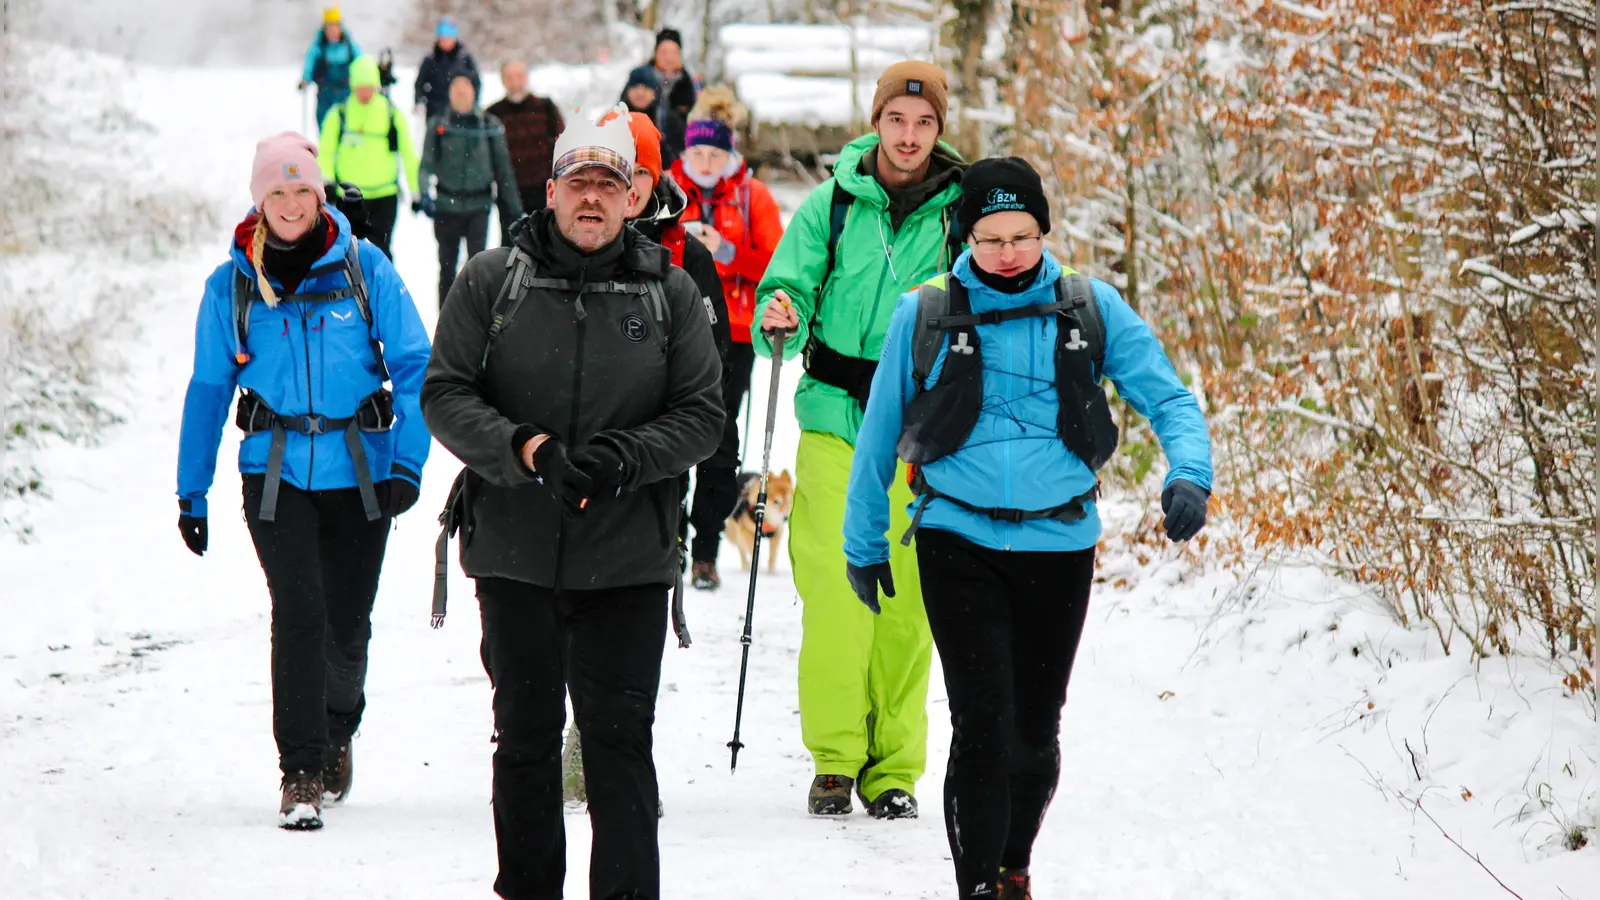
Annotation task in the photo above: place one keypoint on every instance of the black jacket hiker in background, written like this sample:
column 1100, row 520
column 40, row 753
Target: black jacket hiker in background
column 642, row 94
column 465, row 172
column 532, row 125
column 330, row 455
column 598, row 391
column 448, row 59
column 676, row 89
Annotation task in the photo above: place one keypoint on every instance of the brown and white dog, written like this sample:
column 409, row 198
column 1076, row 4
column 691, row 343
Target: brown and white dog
column 741, row 527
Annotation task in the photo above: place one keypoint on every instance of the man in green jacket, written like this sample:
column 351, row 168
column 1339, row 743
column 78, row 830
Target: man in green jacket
column 364, row 142
column 466, row 171
column 878, row 228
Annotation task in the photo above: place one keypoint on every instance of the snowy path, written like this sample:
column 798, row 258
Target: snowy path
column 136, row 757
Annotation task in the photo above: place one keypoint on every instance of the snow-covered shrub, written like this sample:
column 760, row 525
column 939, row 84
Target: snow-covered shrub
column 1370, row 228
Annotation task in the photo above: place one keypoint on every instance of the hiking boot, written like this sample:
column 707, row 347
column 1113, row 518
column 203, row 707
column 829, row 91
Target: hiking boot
column 705, row 577
column 301, row 805
column 1015, row 886
column 338, row 775
column 830, row 795
column 893, row 804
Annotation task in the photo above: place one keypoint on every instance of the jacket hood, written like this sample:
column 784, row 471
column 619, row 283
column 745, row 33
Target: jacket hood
column 667, row 205
column 984, row 297
column 339, row 238
column 535, row 233
column 847, row 171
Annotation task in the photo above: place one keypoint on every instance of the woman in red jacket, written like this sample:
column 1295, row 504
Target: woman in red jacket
column 737, row 219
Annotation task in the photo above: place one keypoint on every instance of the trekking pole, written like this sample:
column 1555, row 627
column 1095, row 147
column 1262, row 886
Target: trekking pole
column 760, row 513
column 305, row 114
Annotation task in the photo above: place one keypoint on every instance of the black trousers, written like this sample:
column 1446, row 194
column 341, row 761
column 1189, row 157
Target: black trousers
column 1007, row 626
column 605, row 648
column 381, row 214
column 451, row 229
column 322, row 558
column 716, row 490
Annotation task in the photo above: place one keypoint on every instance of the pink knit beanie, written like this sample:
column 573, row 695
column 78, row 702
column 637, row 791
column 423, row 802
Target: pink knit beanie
column 287, row 158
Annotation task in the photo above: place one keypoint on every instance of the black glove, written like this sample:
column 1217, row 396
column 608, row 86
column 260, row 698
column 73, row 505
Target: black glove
column 604, row 466
column 193, row 529
column 1184, row 502
column 552, row 467
column 395, row 496
column 426, row 205
column 864, row 580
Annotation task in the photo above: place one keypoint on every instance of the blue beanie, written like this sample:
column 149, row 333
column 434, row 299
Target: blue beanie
column 645, row 75
column 446, row 29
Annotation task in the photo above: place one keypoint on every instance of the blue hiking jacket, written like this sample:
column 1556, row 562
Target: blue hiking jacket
column 1014, row 457
column 306, row 358
column 335, row 59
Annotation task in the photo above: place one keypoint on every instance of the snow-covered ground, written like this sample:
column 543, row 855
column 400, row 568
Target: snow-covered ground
column 1227, row 735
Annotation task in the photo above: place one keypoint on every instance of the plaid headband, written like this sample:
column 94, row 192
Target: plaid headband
column 583, row 157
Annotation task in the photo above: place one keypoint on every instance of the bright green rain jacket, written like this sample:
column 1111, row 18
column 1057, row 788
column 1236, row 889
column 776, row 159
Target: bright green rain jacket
column 859, row 298
column 355, row 140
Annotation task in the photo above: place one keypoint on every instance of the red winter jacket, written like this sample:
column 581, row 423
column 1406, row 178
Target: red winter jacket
column 746, row 215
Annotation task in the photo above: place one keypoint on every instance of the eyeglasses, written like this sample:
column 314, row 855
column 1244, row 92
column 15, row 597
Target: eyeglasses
column 1021, row 245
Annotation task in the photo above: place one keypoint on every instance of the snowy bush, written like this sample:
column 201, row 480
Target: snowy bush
column 1370, row 228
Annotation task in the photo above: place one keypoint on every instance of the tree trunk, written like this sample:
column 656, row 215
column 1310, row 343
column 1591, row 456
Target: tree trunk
column 966, row 34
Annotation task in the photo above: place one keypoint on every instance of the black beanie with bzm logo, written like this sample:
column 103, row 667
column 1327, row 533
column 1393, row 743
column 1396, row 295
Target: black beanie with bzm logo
column 998, row 185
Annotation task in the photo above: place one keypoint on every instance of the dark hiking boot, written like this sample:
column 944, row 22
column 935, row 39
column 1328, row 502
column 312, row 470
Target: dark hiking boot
column 830, row 795
column 301, row 806
column 705, row 577
column 1015, row 886
column 338, row 775
column 893, row 804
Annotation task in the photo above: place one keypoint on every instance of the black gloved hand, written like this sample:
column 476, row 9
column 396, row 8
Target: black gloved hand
column 605, row 467
column 555, row 470
column 1184, row 502
column 864, row 580
column 395, row 496
column 193, row 529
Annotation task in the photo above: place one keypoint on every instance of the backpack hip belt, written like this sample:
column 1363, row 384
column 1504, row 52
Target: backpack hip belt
column 851, row 374
column 374, row 415
column 1074, row 510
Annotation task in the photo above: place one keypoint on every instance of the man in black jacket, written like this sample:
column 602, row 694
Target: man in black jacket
column 448, row 59
column 576, row 424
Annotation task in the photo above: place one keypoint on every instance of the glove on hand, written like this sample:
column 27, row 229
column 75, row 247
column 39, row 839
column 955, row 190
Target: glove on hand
column 194, row 531
column 552, row 466
column 1184, row 502
column 395, row 496
column 864, row 580
column 604, row 466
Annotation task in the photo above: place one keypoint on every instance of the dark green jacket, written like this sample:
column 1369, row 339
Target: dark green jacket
column 466, row 166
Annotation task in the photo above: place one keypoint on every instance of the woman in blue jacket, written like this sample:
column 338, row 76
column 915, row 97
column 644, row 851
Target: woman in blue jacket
column 998, row 407
column 308, row 322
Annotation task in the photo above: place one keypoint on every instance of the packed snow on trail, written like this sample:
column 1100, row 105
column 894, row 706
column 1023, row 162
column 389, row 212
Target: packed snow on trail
column 1267, row 734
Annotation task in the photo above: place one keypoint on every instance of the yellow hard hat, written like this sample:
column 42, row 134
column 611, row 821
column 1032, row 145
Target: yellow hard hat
column 331, row 15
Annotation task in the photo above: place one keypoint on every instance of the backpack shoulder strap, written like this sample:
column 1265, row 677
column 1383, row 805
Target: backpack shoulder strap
column 521, row 271
column 954, row 240
column 1081, row 328
column 358, row 292
column 244, row 294
column 839, row 210
column 934, row 302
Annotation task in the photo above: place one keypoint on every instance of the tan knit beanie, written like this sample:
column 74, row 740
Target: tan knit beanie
column 912, row 78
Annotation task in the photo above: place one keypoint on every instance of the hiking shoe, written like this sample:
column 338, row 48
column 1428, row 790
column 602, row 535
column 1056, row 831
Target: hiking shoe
column 893, row 804
column 338, row 775
column 705, row 577
column 830, row 795
column 1015, row 886
column 301, row 806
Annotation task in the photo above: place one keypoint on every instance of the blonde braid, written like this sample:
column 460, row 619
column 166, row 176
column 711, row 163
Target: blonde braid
column 258, row 250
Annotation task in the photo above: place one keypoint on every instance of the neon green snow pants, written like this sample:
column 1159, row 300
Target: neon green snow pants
column 863, row 678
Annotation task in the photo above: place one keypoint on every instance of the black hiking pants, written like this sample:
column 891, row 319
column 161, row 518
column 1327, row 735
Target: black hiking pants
column 716, row 490
column 451, row 229
column 605, row 648
column 1007, row 626
column 381, row 214
column 322, row 558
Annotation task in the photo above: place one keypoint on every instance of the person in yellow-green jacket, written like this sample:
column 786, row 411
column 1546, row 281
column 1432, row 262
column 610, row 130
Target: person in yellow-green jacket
column 365, row 142
column 881, row 226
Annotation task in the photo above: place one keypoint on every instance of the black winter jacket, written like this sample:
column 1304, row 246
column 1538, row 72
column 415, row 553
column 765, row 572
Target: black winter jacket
column 583, row 370
column 438, row 69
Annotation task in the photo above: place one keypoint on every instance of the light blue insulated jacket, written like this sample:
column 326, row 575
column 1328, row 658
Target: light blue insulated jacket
column 1015, row 458
column 307, row 358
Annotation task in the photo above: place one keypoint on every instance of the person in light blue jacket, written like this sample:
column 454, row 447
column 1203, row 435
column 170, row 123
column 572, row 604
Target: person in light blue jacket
column 989, row 386
column 328, row 62
column 308, row 322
